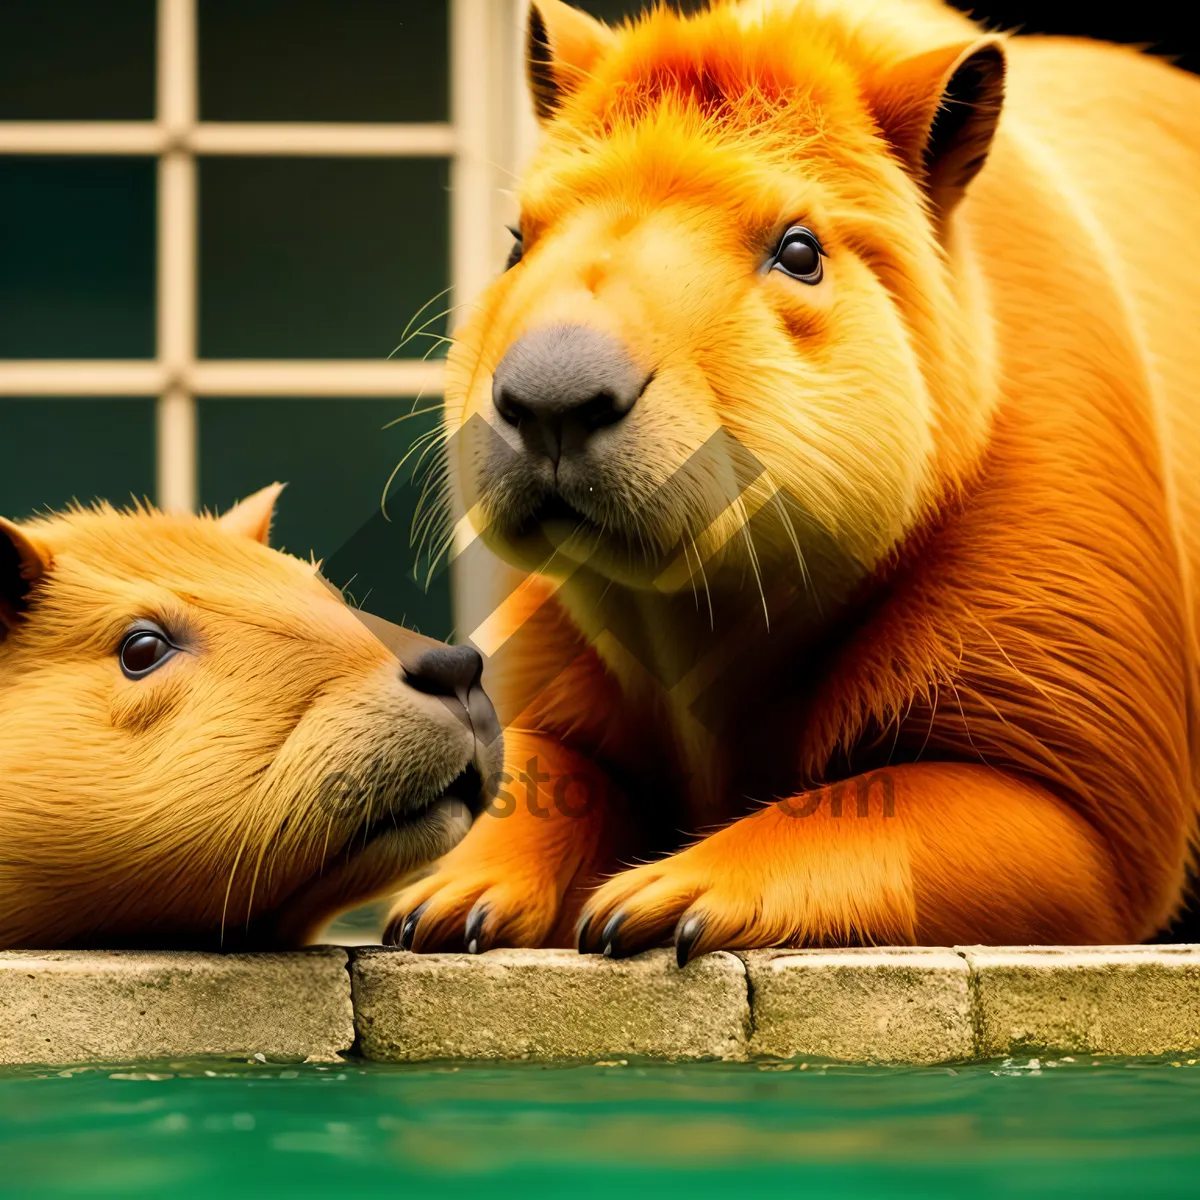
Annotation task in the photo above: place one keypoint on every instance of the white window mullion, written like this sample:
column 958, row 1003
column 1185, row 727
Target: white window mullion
column 259, row 138
column 335, row 380
column 314, row 377
column 471, row 182
column 81, row 137
column 472, row 236
column 325, row 140
column 177, row 105
column 488, row 106
column 80, row 377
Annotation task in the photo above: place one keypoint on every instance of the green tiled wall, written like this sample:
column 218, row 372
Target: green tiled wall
column 298, row 258
column 319, row 258
column 354, row 60
column 77, row 60
column 59, row 450
column 77, row 265
column 336, row 456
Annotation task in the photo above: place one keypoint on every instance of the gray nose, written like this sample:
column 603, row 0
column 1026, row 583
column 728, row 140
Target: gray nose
column 455, row 673
column 559, row 384
column 446, row 671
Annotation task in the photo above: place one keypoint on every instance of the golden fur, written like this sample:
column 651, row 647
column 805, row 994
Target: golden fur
column 276, row 771
column 969, row 559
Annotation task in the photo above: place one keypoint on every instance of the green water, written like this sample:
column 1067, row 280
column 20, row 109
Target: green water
column 1121, row 1128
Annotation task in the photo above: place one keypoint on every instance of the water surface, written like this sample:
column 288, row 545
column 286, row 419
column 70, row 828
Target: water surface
column 1029, row 1127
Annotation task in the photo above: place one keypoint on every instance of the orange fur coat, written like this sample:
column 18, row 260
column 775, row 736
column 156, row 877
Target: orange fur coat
column 869, row 550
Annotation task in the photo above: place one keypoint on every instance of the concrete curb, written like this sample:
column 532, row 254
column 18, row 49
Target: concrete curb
column 1095, row 1000
column 899, row 1005
column 547, row 1004
column 104, row 1006
column 895, row 1005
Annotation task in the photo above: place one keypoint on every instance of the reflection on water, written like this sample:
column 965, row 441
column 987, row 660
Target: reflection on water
column 359, row 927
column 1033, row 1126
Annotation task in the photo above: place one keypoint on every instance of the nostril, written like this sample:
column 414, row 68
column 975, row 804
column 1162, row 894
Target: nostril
column 446, row 671
column 563, row 381
column 509, row 407
column 600, row 410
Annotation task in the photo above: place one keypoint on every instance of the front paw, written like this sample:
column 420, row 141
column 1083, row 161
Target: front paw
column 473, row 909
column 688, row 900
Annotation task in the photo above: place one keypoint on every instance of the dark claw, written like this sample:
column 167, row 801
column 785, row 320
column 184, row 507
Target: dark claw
column 581, row 935
column 610, row 938
column 409, row 929
column 686, row 936
column 473, row 935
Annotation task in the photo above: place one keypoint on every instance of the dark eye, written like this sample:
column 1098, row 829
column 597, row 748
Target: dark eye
column 800, row 255
column 145, row 649
column 514, row 255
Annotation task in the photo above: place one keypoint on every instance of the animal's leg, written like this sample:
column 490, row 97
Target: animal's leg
column 927, row 854
column 521, row 875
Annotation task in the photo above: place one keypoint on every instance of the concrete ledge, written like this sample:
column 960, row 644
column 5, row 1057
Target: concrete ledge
column 545, row 1004
column 81, row 1006
column 874, row 1005
column 896, row 1005
column 1095, row 1000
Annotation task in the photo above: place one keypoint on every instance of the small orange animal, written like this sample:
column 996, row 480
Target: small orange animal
column 201, row 744
column 842, row 398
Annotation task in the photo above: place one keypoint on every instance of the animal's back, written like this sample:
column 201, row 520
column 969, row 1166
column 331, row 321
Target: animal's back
column 1118, row 133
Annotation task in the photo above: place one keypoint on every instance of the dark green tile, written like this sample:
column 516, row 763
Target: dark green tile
column 77, row 257
column 1164, row 26
column 58, row 450
column 336, row 458
column 312, row 60
column 77, row 60
column 319, row 258
column 614, row 11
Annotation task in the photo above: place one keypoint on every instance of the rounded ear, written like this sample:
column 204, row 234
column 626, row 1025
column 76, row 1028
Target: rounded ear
column 253, row 516
column 24, row 561
column 561, row 44
column 939, row 112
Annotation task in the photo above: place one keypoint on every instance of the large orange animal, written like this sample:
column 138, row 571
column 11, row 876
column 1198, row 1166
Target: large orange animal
column 842, row 398
column 201, row 744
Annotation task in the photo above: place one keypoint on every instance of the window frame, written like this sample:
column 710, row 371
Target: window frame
column 489, row 133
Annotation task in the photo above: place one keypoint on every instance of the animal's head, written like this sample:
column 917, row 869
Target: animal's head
column 731, row 330
column 200, row 742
